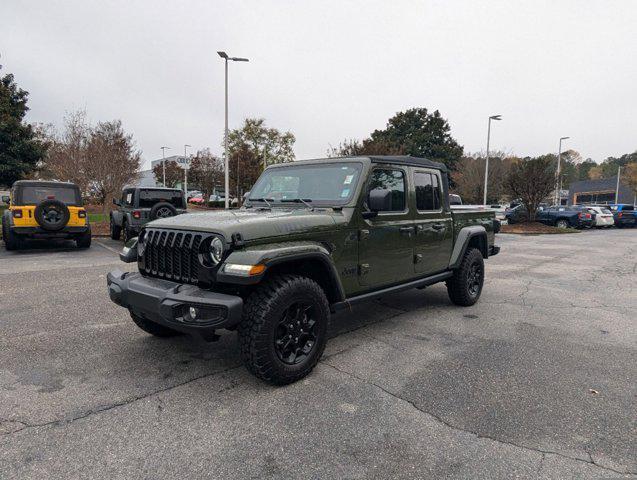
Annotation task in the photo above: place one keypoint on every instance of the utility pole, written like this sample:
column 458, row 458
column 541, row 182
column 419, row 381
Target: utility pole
column 163, row 162
column 186, row 172
column 557, row 178
column 486, row 166
column 619, row 169
column 265, row 157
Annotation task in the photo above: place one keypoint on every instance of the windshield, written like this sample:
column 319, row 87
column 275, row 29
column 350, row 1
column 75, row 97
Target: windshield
column 34, row 194
column 329, row 183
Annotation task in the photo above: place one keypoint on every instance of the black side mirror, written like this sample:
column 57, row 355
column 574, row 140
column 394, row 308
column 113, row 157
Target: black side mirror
column 116, row 202
column 379, row 200
column 6, row 199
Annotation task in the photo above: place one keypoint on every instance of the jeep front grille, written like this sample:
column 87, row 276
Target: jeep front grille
column 171, row 254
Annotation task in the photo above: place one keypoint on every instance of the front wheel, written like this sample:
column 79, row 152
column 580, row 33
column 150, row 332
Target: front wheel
column 561, row 223
column 284, row 329
column 465, row 286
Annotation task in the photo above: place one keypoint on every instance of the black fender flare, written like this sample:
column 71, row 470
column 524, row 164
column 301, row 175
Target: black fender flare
column 279, row 254
column 465, row 235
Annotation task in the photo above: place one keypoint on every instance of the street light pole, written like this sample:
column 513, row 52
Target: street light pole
column 186, row 172
column 486, row 167
column 226, row 163
column 163, row 162
column 557, row 178
column 619, row 169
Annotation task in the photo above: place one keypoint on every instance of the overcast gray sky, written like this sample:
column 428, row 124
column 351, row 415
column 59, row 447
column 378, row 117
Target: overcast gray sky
column 330, row 70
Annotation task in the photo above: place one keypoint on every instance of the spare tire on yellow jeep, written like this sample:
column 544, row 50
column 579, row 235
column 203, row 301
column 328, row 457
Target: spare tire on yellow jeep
column 52, row 215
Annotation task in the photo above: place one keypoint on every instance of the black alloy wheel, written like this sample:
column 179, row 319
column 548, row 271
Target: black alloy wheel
column 474, row 279
column 164, row 212
column 295, row 337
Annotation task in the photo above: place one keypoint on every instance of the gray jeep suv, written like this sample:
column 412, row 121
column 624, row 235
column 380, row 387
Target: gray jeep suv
column 139, row 205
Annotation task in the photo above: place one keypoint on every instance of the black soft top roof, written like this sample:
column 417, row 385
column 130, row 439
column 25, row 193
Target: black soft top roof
column 43, row 183
column 407, row 160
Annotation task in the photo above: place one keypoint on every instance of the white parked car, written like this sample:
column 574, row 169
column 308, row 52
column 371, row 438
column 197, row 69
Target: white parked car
column 603, row 217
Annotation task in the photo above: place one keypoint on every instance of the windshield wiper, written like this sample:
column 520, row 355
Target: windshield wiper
column 304, row 201
column 264, row 200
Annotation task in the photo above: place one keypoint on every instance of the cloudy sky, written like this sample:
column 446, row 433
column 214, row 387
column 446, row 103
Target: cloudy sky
column 330, row 70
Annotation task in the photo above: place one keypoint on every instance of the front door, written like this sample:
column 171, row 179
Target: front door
column 434, row 232
column 386, row 250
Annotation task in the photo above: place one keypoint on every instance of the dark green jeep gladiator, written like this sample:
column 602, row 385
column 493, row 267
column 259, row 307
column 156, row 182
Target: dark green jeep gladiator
column 313, row 237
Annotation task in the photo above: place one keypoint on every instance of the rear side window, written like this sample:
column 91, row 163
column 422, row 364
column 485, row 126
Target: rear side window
column 628, row 208
column 127, row 197
column 393, row 180
column 34, row 194
column 148, row 198
column 427, row 191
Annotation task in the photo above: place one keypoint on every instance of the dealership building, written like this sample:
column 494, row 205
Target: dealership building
column 599, row 192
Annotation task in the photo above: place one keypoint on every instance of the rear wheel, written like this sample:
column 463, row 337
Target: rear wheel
column 153, row 328
column 11, row 241
column 284, row 329
column 465, row 287
column 127, row 233
column 115, row 230
column 84, row 241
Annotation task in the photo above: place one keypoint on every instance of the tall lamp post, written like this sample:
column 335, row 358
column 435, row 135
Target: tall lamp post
column 163, row 162
column 557, row 177
column 486, row 167
column 225, row 56
column 186, row 172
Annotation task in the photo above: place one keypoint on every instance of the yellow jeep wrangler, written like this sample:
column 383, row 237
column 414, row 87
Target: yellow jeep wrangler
column 44, row 210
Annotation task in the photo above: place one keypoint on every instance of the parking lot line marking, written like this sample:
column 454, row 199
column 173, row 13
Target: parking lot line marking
column 106, row 247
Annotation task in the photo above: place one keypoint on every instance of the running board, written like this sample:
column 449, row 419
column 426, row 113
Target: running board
column 421, row 282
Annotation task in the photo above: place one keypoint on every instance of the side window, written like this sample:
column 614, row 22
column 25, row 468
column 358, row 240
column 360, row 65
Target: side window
column 393, row 180
column 428, row 192
column 127, row 198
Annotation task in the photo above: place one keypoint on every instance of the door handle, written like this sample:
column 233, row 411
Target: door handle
column 406, row 230
column 438, row 226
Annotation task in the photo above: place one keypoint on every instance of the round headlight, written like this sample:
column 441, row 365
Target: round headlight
column 216, row 250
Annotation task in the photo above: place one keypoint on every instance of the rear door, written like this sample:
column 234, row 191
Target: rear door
column 434, row 230
column 387, row 240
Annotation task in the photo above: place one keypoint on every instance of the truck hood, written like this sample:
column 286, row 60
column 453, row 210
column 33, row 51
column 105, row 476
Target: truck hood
column 251, row 224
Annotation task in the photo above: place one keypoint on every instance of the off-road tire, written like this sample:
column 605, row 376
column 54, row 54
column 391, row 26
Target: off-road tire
column 127, row 232
column 154, row 328
column 40, row 218
column 115, row 230
column 84, row 241
column 11, row 242
column 168, row 210
column 262, row 313
column 457, row 286
column 562, row 223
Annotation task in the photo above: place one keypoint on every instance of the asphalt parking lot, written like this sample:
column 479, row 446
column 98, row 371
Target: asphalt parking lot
column 537, row 380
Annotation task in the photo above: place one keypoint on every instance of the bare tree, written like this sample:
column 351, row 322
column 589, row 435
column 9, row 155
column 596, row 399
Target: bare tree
column 112, row 160
column 66, row 157
column 206, row 171
column 174, row 173
column 531, row 180
column 468, row 177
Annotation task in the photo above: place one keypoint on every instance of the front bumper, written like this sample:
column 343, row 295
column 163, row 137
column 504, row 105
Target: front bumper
column 168, row 303
column 38, row 232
